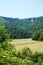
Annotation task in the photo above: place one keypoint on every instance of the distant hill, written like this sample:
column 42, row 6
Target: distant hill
column 21, row 28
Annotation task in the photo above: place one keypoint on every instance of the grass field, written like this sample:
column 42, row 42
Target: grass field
column 35, row 46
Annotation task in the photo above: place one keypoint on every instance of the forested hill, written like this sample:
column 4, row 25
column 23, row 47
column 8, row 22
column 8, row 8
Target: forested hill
column 21, row 28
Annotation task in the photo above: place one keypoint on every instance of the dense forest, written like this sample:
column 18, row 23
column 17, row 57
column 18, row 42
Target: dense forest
column 21, row 28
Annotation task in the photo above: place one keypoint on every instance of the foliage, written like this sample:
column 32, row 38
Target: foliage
column 21, row 28
column 38, row 35
column 25, row 53
column 3, row 34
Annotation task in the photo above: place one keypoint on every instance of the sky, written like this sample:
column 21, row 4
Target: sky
column 21, row 8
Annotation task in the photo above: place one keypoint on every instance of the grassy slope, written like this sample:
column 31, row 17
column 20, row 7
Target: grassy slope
column 33, row 45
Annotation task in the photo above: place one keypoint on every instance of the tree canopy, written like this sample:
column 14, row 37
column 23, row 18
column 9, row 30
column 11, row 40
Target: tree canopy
column 3, row 34
column 38, row 35
column 21, row 28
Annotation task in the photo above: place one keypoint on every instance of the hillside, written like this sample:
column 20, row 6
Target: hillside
column 21, row 28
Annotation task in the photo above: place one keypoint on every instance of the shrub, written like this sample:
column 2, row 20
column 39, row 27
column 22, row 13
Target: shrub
column 25, row 53
column 40, row 61
column 36, row 56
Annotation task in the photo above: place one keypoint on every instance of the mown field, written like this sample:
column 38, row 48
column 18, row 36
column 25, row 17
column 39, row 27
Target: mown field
column 35, row 46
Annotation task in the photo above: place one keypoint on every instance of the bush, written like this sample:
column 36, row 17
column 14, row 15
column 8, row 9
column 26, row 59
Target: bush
column 40, row 61
column 36, row 56
column 25, row 53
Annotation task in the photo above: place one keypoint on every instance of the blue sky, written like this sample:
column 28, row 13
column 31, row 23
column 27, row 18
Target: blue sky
column 21, row 8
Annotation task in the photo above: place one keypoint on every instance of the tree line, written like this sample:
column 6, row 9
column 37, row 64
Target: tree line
column 21, row 28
